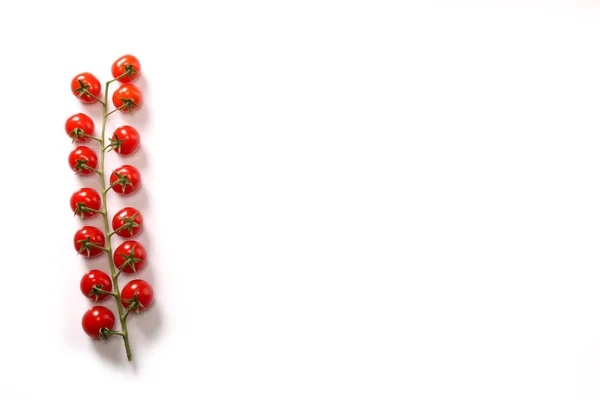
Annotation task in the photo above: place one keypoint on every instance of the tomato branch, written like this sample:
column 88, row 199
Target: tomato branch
column 95, row 97
column 114, row 274
column 105, row 333
column 91, row 244
column 97, row 290
column 116, row 109
column 134, row 303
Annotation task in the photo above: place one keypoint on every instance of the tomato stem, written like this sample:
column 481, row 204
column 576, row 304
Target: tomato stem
column 114, row 274
column 131, row 306
column 117, row 78
column 99, row 290
column 104, row 191
column 94, row 137
column 83, row 209
column 115, row 110
column 98, row 246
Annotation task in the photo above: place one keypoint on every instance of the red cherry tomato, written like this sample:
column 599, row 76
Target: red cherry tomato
column 93, row 278
column 80, row 127
column 128, row 222
column 86, row 241
column 86, row 81
column 143, row 292
column 128, row 178
column 83, row 157
column 130, row 256
column 96, row 318
column 85, row 197
column 127, row 98
column 125, row 140
column 129, row 64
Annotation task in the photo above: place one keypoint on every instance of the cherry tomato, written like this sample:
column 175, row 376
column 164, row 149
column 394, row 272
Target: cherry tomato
column 83, row 157
column 125, row 140
column 86, row 82
column 128, row 178
column 129, row 64
column 130, row 256
column 87, row 197
column 86, row 241
column 127, row 98
column 79, row 127
column 93, row 278
column 143, row 292
column 129, row 218
column 96, row 318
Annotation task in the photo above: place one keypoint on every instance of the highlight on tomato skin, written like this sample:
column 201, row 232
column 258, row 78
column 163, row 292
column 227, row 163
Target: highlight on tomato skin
column 86, row 236
column 81, row 122
column 143, row 292
column 126, row 63
column 96, row 318
column 83, row 82
column 93, row 278
column 129, row 217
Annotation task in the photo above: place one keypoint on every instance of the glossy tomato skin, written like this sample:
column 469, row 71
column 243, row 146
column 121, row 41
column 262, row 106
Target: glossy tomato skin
column 89, row 197
column 121, row 218
column 132, row 174
column 86, row 154
column 123, row 252
column 130, row 137
column 87, row 79
column 96, row 318
column 127, row 91
column 82, row 122
column 92, row 278
column 96, row 236
column 141, row 288
column 118, row 68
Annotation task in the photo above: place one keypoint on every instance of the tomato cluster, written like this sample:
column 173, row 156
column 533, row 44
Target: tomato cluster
column 130, row 256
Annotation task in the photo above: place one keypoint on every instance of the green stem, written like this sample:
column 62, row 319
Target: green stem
column 100, row 101
column 104, row 191
column 98, row 290
column 129, row 309
column 87, row 209
column 113, row 271
column 94, row 138
column 119, row 229
column 115, row 79
column 99, row 247
column 115, row 110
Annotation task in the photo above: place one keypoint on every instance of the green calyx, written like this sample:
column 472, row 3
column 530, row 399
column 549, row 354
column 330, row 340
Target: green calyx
column 104, row 333
column 96, row 292
column 129, row 105
column 82, row 89
column 81, row 209
column 130, row 260
column 115, row 143
column 130, row 71
column 80, row 165
column 134, row 304
column 77, row 133
column 122, row 180
column 128, row 223
column 86, row 245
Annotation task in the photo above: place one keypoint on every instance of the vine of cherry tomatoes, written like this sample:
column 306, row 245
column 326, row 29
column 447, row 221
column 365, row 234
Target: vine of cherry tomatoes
column 129, row 257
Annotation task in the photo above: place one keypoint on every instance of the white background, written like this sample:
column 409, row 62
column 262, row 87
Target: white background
column 343, row 199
